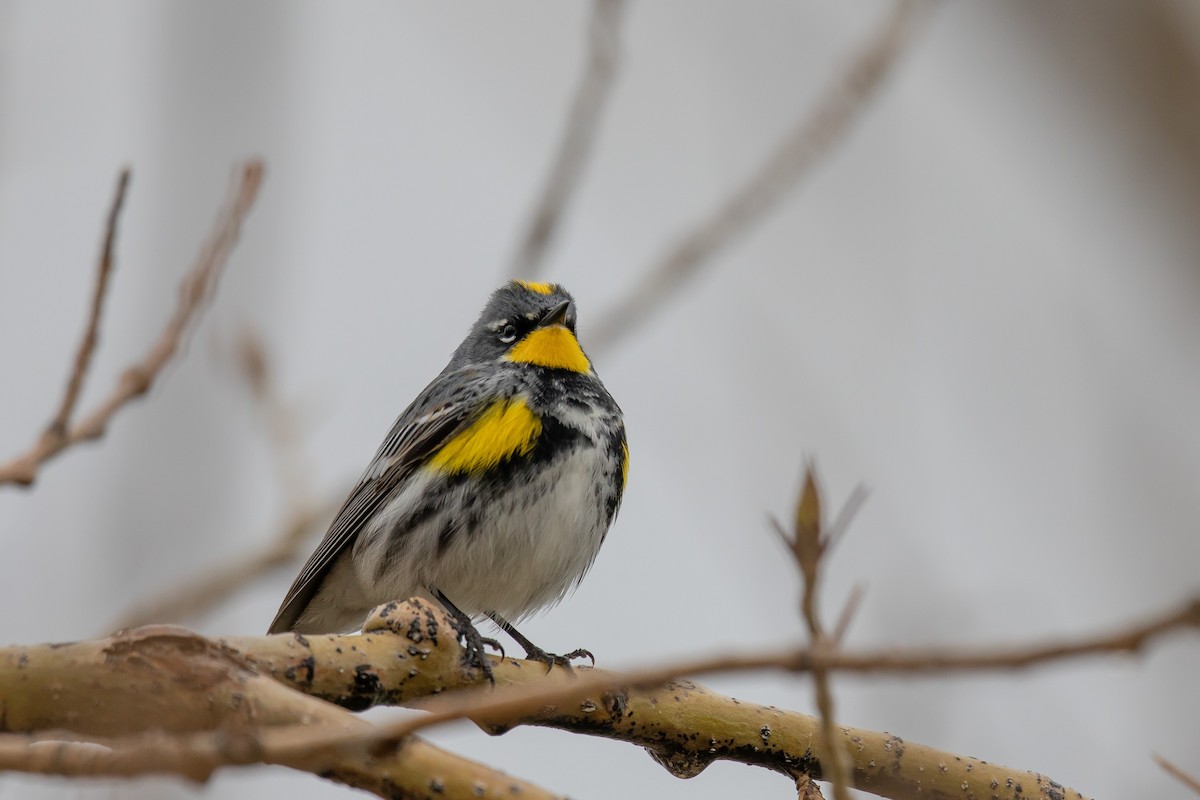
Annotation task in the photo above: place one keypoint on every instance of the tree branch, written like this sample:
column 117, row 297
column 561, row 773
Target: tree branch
column 583, row 119
column 409, row 654
column 163, row 700
column 778, row 174
column 197, row 287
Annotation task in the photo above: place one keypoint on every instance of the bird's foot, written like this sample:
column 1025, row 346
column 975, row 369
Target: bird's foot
column 535, row 653
column 474, row 652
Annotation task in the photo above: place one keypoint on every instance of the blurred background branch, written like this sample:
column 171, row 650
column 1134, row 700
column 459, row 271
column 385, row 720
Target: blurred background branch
column 579, row 133
column 825, row 125
column 196, row 289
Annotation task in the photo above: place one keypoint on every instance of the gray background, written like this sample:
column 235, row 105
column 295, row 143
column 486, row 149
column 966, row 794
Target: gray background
column 983, row 306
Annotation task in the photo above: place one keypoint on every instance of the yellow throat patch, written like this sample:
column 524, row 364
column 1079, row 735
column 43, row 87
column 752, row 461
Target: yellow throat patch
column 507, row 428
column 554, row 347
column 538, row 288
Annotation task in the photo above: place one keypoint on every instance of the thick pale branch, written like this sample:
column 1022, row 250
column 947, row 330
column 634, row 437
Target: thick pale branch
column 683, row 725
column 779, row 173
column 197, row 287
column 409, row 654
column 162, row 700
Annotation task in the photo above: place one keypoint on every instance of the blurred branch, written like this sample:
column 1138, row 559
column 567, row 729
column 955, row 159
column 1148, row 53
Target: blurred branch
column 199, row 594
column 195, row 291
column 779, row 173
column 1185, row 778
column 583, row 119
column 409, row 653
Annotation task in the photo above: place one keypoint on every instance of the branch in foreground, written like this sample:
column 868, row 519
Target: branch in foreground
column 163, row 700
column 197, row 287
column 684, row 726
column 779, row 173
column 409, row 651
column 583, row 119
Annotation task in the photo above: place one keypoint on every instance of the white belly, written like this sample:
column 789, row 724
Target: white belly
column 530, row 545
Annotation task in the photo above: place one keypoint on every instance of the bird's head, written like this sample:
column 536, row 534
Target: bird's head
column 526, row 323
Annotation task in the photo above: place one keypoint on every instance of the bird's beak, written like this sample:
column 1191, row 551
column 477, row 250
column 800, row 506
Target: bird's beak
column 556, row 315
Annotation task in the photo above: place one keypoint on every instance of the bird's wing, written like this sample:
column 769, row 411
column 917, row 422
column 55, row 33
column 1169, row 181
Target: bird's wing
column 415, row 436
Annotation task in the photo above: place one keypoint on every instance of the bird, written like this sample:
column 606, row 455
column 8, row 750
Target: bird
column 491, row 493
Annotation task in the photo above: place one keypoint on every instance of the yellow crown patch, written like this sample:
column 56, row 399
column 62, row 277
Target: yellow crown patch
column 538, row 288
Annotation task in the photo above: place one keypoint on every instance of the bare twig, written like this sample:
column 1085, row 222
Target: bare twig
column 197, row 287
column 809, row 542
column 582, row 121
column 279, row 416
column 83, row 358
column 780, row 172
column 1187, row 779
column 303, row 512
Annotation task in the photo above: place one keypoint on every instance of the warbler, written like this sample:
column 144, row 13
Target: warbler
column 491, row 493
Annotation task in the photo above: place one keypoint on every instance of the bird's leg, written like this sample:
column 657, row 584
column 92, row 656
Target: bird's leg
column 535, row 653
column 473, row 643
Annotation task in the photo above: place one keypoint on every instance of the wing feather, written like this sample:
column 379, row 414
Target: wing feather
column 415, row 436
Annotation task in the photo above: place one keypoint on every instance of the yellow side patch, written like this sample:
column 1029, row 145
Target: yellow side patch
column 539, row 288
column 554, row 346
column 507, row 428
column 624, row 465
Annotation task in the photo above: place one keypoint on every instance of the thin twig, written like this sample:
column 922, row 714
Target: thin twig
column 583, row 120
column 1185, row 778
column 91, row 334
column 779, row 173
column 196, row 289
column 303, row 512
column 810, row 541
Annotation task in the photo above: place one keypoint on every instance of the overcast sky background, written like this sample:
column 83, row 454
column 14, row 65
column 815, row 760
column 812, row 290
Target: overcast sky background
column 983, row 306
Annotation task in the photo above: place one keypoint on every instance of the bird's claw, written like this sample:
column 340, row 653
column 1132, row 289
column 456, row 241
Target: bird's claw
column 551, row 660
column 474, row 653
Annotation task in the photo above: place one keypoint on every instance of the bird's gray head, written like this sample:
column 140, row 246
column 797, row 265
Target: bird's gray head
column 525, row 323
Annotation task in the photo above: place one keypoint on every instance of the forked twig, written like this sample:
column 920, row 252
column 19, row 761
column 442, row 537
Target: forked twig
column 196, row 289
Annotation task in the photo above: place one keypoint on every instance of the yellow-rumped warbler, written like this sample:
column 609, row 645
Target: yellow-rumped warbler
column 493, row 491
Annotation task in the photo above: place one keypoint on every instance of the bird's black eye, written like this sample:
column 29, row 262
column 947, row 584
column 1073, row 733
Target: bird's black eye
column 508, row 335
